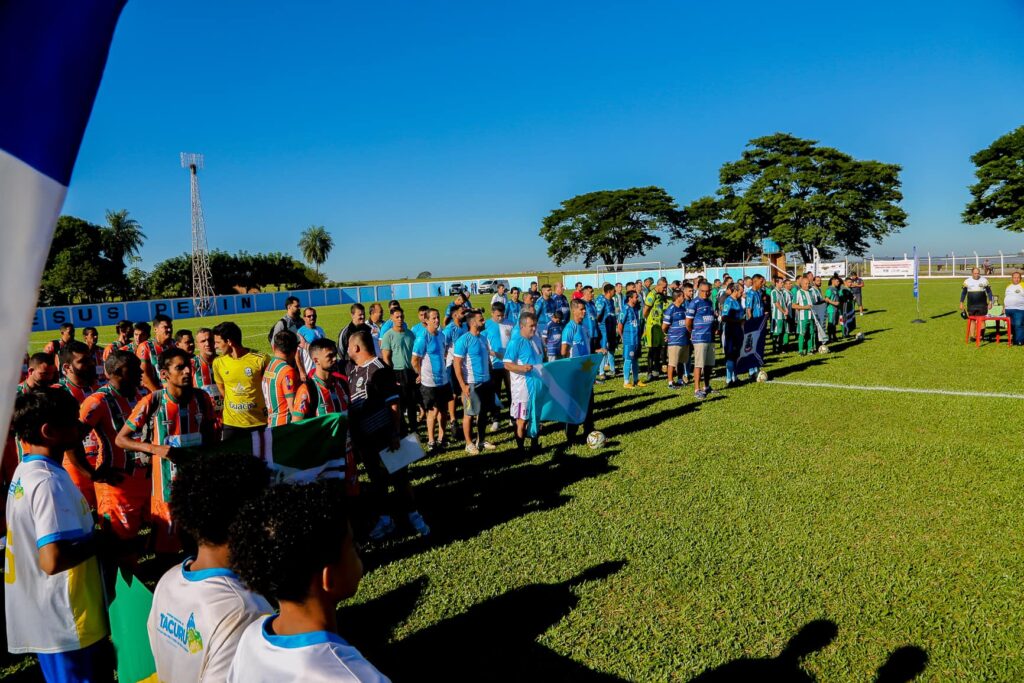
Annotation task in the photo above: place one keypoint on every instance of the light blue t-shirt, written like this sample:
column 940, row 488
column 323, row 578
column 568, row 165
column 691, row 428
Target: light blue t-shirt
column 474, row 351
column 432, row 349
column 577, row 336
column 498, row 336
column 418, row 329
column 754, row 303
column 629, row 318
column 388, row 324
column 311, row 334
column 512, row 310
column 452, row 332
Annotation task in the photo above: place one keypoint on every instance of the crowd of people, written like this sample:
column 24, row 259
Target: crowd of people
column 96, row 467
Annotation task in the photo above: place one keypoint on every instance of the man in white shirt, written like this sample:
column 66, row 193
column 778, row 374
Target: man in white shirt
column 499, row 296
column 53, row 594
column 200, row 608
column 976, row 293
column 1013, row 305
column 296, row 547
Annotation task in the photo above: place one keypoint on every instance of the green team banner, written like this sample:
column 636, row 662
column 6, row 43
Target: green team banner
column 128, row 613
column 297, row 452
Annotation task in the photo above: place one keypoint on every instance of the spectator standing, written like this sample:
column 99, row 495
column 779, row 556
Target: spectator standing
column 1013, row 304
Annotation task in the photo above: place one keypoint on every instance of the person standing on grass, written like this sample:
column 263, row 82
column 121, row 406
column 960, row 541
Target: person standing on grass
column 700, row 323
column 90, row 336
column 1013, row 304
column 655, row 303
column 977, row 293
column 396, row 347
column 428, row 360
column 733, row 319
column 552, row 337
column 525, row 351
column 498, row 333
column 590, row 320
column 238, row 373
column 673, row 324
column 200, row 607
column 202, row 369
column 421, row 326
column 629, row 333
column 176, row 416
column 472, row 366
column 455, row 329
column 857, row 286
column 561, row 301
column 78, row 368
column 499, row 296
column 780, row 301
column 376, row 423
column 123, row 330
column 291, row 320
column 53, row 591
column 281, row 379
column 512, row 307
column 577, row 342
column 832, row 306
column 803, row 312
column 358, row 322
column 294, row 545
column 607, row 318
column 150, row 349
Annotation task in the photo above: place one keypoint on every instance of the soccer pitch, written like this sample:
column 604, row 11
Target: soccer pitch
column 705, row 533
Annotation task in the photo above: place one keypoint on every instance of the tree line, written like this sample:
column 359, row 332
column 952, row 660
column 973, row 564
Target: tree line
column 90, row 263
column 801, row 195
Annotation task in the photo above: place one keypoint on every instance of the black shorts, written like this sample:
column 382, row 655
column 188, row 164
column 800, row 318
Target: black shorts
column 436, row 397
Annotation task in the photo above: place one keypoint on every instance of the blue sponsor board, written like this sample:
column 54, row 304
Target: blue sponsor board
column 400, row 292
column 245, row 303
column 111, row 314
column 349, row 295
column 366, row 294
column 137, row 311
column 419, row 290
column 317, row 297
column 264, row 302
column 85, row 316
column 332, row 297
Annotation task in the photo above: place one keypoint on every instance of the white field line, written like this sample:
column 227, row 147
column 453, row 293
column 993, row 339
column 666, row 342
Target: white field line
column 896, row 390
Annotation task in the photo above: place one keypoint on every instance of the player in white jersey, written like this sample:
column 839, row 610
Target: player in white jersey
column 53, row 593
column 200, row 608
column 295, row 546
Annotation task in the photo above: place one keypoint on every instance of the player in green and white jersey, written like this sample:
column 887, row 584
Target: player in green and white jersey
column 781, row 301
column 803, row 305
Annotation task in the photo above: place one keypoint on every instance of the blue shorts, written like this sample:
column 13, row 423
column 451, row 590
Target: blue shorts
column 76, row 666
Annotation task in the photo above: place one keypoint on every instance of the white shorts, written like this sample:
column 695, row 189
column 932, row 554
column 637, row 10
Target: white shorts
column 520, row 410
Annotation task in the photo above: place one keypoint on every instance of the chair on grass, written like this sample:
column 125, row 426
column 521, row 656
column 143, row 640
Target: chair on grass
column 994, row 325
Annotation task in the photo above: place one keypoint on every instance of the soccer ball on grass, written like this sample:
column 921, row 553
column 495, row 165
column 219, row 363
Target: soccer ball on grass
column 823, row 349
column 859, row 337
column 762, row 376
column 595, row 439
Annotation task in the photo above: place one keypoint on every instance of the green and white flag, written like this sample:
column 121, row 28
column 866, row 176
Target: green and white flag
column 298, row 452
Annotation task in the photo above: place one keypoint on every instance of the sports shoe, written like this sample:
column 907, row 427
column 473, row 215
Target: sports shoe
column 493, row 427
column 600, row 377
column 472, row 449
column 628, row 385
column 699, row 395
column 641, row 383
column 431, row 447
column 486, row 446
column 385, row 526
column 675, row 387
column 416, row 519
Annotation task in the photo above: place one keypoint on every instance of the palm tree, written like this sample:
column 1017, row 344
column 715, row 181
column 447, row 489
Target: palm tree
column 316, row 244
column 122, row 239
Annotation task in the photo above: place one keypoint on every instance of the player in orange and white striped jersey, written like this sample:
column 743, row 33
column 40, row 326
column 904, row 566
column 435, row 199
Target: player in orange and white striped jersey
column 281, row 379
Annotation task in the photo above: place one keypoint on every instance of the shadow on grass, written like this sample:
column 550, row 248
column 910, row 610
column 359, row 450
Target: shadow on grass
column 465, row 496
column 872, row 311
column 903, row 665
column 651, row 420
column 785, row 668
column 812, row 361
column 943, row 315
column 495, row 640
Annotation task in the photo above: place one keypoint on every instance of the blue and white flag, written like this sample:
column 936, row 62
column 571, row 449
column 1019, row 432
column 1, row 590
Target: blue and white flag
column 917, row 292
column 52, row 55
column 560, row 391
column 752, row 350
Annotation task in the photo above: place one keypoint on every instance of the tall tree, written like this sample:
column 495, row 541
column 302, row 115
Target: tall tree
column 316, row 243
column 801, row 195
column 609, row 226
column 998, row 196
column 122, row 238
column 77, row 268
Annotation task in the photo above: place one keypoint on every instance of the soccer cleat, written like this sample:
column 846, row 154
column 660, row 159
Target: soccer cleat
column 486, row 446
column 416, row 519
column 384, row 527
column 472, row 449
column 628, row 385
column 641, row 383
column 699, row 395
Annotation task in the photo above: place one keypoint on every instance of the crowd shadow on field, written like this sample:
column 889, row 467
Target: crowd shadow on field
column 903, row 665
column 943, row 315
column 464, row 496
column 495, row 640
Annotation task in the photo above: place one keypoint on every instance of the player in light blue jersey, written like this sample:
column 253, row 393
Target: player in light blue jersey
column 472, row 367
column 429, row 352
column 629, row 329
column 577, row 341
column 499, row 334
column 420, row 327
column 513, row 306
column 733, row 318
column 607, row 319
column 754, row 305
column 524, row 352
column 452, row 331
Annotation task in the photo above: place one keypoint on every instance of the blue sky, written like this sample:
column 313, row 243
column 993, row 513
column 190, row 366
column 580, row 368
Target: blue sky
column 446, row 131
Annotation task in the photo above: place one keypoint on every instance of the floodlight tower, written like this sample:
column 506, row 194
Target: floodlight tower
column 202, row 285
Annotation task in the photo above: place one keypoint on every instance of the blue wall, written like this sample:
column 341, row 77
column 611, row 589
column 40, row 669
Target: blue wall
column 97, row 315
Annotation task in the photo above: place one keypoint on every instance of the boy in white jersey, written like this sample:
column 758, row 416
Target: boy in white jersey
column 200, row 608
column 53, row 593
column 294, row 545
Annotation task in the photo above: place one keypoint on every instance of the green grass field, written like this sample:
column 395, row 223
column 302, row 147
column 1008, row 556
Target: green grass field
column 707, row 535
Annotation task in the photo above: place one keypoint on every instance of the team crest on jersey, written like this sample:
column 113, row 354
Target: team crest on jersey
column 248, row 372
column 17, row 490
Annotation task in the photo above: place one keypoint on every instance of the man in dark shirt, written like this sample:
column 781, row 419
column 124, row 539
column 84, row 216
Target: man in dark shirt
column 358, row 323
column 375, row 422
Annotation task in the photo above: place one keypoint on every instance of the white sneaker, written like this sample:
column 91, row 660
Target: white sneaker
column 472, row 449
column 385, row 527
column 486, row 446
column 416, row 519
column 493, row 427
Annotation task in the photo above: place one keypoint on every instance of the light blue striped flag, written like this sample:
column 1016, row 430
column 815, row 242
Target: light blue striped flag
column 52, row 54
column 560, row 391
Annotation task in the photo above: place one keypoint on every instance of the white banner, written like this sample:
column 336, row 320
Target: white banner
column 827, row 269
column 901, row 268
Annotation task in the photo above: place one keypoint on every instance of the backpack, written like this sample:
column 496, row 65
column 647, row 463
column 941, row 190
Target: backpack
column 270, row 335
